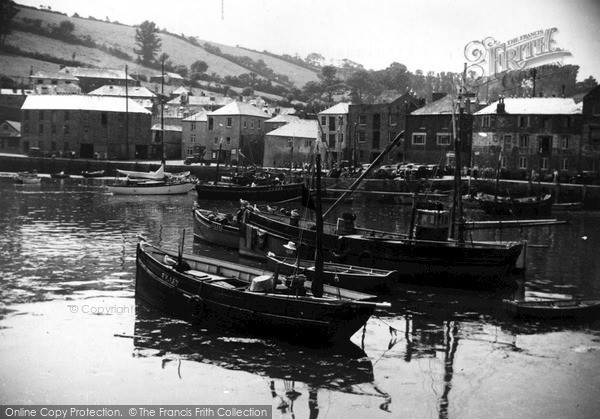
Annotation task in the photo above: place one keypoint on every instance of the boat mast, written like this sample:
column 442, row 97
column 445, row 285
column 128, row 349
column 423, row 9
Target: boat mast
column 317, row 283
column 457, row 233
column 162, row 119
column 126, row 114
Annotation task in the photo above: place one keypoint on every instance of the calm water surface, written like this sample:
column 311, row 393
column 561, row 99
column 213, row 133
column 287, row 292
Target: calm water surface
column 72, row 331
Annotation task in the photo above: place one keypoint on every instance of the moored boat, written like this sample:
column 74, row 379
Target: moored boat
column 95, row 173
column 59, row 175
column 351, row 277
column 27, row 178
column 531, row 206
column 259, row 193
column 151, row 187
column 208, row 290
column 217, row 228
column 553, row 308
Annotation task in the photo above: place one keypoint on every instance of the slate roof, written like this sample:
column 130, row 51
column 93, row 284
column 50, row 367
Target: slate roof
column 202, row 101
column 283, row 118
column 83, row 102
column 535, row 106
column 53, row 75
column 96, row 73
column 14, row 125
column 303, row 128
column 339, row 109
column 440, row 106
column 197, row 117
column 158, row 127
column 240, row 108
column 132, row 91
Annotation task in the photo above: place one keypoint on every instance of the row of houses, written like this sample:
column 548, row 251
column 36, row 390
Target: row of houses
column 112, row 121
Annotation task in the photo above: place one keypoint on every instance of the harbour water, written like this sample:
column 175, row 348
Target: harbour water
column 72, row 331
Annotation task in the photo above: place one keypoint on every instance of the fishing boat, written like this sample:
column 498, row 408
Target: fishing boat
column 258, row 193
column 91, row 174
column 27, row 178
column 151, row 187
column 351, row 277
column 553, row 308
column 207, row 290
column 567, row 206
column 531, row 206
column 217, row 228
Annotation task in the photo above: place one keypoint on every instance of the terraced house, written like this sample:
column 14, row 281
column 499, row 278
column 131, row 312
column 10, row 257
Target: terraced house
column 529, row 134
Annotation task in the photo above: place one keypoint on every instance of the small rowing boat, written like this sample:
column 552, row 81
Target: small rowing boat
column 552, row 308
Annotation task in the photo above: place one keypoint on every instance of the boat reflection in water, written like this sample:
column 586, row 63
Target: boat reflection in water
column 342, row 368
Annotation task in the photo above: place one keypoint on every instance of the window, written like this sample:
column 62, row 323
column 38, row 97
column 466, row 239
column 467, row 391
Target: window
column 362, row 120
column 485, row 121
column 251, row 124
column 210, row 124
column 307, row 143
column 507, row 142
column 193, row 126
column 192, row 138
column 523, row 140
column 362, row 137
column 67, row 115
column 564, row 164
column 596, row 109
column 524, row 121
column 594, row 136
column 391, row 136
column 393, row 119
column 331, row 140
column 564, row 142
column 323, row 137
column 216, row 140
column 229, row 122
column 332, row 123
column 323, row 120
column 545, row 163
column 418, row 138
column 42, row 115
column 568, row 121
column 375, row 139
column 289, row 143
column 103, row 118
column 522, row 162
column 245, row 124
column 228, row 141
column 259, row 124
column 341, row 121
column 443, row 138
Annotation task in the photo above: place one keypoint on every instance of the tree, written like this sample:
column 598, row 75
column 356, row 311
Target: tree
column 315, row 59
column 149, row 43
column 7, row 12
column 587, row 85
column 64, row 29
column 199, row 67
column 330, row 83
column 248, row 91
column 360, row 83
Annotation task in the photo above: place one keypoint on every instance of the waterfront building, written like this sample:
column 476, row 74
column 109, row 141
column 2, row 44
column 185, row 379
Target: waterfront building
column 335, row 133
column 529, row 134
column 279, row 121
column 53, row 83
column 371, row 127
column 172, row 141
column 590, row 134
column 11, row 101
column 193, row 134
column 235, row 127
column 86, row 126
column 292, row 143
column 10, row 137
column 429, row 132
column 140, row 94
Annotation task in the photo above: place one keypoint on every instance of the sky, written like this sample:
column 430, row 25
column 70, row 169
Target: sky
column 429, row 35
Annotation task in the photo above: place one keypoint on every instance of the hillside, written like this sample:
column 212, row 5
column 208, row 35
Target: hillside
column 121, row 37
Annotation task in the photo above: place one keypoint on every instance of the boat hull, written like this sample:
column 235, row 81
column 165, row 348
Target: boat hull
column 553, row 309
column 519, row 207
column 271, row 193
column 300, row 319
column 167, row 189
column 440, row 263
column 344, row 276
column 213, row 231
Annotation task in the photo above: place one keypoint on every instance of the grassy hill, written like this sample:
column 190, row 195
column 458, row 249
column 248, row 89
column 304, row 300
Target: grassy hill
column 121, row 37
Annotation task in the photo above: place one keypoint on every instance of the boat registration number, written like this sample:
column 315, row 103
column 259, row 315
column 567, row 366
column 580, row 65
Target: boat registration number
column 169, row 279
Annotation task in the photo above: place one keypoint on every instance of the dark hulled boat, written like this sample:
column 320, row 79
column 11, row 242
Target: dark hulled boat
column 216, row 228
column 531, row 206
column 259, row 193
column 213, row 291
column 553, row 308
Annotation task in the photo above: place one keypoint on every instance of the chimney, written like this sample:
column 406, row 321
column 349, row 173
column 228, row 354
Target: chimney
column 500, row 107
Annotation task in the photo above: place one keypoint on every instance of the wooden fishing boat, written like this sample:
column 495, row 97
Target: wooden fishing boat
column 421, row 259
column 208, row 290
column 217, row 228
column 351, row 277
column 151, row 187
column 96, row 173
column 567, row 206
column 259, row 193
column 553, row 308
column 27, row 178
column 531, row 206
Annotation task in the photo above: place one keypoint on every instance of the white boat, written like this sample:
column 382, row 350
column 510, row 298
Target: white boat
column 151, row 187
column 158, row 174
